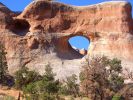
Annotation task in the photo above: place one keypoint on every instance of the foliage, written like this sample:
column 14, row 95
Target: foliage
column 50, row 84
column 100, row 80
column 64, row 90
column 47, row 96
column 116, row 81
column 70, row 87
column 45, row 89
column 116, row 97
column 23, row 77
column 3, row 65
column 103, row 77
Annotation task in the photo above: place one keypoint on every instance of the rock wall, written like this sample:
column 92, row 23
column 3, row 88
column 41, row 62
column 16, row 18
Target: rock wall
column 39, row 35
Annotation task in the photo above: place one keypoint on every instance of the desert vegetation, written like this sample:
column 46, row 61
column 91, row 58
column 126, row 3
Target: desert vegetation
column 5, row 78
column 100, row 79
column 103, row 77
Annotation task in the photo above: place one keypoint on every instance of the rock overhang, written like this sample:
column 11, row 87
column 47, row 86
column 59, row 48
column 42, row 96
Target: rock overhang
column 115, row 11
column 108, row 26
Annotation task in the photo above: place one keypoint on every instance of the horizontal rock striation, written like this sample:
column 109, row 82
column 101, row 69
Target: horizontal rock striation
column 40, row 34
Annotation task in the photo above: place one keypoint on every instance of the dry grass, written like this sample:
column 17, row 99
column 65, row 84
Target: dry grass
column 72, row 98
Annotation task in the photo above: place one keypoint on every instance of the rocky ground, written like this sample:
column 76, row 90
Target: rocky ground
column 7, row 93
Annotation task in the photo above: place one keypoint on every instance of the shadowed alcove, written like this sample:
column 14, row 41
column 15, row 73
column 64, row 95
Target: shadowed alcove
column 71, row 47
column 20, row 27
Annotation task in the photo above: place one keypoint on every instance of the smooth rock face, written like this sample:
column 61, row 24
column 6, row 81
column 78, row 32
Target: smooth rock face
column 39, row 35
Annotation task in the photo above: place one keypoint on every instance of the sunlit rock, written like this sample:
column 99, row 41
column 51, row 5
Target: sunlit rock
column 40, row 34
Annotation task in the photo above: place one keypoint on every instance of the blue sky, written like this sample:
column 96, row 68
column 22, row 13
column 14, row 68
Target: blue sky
column 19, row 5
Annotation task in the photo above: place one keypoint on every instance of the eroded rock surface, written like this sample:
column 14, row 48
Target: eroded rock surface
column 39, row 35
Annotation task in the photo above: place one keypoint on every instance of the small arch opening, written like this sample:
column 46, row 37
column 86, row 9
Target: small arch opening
column 20, row 27
column 80, row 44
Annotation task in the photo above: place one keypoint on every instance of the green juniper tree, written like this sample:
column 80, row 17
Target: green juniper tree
column 45, row 89
column 24, row 77
column 3, row 64
column 51, row 85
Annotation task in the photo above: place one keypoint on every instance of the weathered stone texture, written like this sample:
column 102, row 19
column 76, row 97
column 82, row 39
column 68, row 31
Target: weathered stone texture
column 40, row 34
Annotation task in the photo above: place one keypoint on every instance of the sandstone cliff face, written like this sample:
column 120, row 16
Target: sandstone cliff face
column 39, row 35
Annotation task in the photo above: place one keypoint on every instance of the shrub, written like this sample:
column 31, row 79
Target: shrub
column 100, row 78
column 64, row 90
column 50, row 85
column 44, row 89
column 47, row 96
column 23, row 77
column 116, row 97
column 70, row 87
column 3, row 65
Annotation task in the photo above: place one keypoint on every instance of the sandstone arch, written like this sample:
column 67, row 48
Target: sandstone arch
column 65, row 50
column 108, row 25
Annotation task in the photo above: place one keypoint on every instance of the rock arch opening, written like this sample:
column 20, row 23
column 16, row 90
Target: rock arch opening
column 20, row 27
column 79, row 43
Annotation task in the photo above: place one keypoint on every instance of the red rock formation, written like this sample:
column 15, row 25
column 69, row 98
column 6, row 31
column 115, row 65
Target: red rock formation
column 83, row 51
column 40, row 33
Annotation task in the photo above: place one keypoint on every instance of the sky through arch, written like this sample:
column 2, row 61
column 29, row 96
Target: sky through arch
column 79, row 42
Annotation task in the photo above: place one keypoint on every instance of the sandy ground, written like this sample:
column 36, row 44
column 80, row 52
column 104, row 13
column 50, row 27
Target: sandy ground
column 10, row 92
